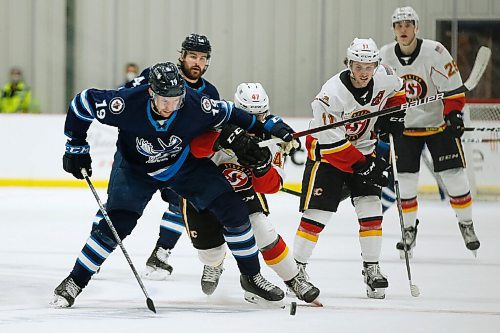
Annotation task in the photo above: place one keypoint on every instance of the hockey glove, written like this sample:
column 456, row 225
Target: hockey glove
column 290, row 147
column 372, row 171
column 256, row 158
column 455, row 123
column 232, row 137
column 76, row 157
column 393, row 123
column 277, row 127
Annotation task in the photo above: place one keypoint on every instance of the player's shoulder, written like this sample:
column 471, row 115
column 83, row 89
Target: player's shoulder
column 387, row 50
column 385, row 76
column 433, row 47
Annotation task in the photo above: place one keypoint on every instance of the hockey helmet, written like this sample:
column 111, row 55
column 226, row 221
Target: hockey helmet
column 252, row 98
column 405, row 14
column 363, row 50
column 165, row 80
column 197, row 43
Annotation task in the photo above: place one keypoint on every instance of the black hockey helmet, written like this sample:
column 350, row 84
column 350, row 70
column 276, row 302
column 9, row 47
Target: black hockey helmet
column 198, row 43
column 165, row 80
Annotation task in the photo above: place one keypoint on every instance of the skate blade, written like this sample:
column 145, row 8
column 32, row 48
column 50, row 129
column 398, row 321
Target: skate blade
column 377, row 293
column 474, row 253
column 155, row 274
column 264, row 303
column 317, row 302
column 59, row 302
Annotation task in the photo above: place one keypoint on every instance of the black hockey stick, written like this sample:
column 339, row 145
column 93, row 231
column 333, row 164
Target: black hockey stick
column 149, row 301
column 480, row 64
column 415, row 292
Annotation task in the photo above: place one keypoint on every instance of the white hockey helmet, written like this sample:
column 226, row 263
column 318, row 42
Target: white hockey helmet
column 405, row 14
column 252, row 98
column 363, row 50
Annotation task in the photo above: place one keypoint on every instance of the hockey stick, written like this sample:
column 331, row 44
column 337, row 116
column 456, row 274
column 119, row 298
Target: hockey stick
column 415, row 292
column 467, row 129
column 478, row 140
column 149, row 301
column 290, row 191
column 482, row 59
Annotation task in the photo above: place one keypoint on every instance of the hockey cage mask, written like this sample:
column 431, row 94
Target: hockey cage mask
column 168, row 87
column 196, row 43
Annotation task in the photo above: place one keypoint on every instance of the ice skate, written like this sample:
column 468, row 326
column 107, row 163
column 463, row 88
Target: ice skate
column 157, row 267
column 302, row 270
column 375, row 281
column 260, row 291
column 210, row 278
column 304, row 290
column 411, row 241
column 469, row 236
column 65, row 293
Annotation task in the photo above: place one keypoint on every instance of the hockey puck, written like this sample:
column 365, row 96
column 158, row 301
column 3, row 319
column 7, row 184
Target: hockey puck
column 293, row 308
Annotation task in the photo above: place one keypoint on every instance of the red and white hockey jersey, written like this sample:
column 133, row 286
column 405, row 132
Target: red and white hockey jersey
column 428, row 71
column 346, row 145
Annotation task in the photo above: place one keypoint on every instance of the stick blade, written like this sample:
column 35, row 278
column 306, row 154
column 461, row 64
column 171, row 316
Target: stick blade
column 482, row 60
column 415, row 292
column 151, row 305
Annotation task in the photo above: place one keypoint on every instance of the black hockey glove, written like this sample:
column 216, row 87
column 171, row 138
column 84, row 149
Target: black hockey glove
column 277, row 127
column 246, row 148
column 76, row 157
column 256, row 158
column 232, row 137
column 373, row 171
column 393, row 123
column 455, row 123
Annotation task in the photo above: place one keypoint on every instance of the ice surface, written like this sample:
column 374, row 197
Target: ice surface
column 43, row 230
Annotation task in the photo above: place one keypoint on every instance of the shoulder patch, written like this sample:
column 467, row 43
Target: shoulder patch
column 325, row 99
column 439, row 48
column 206, row 104
column 117, row 105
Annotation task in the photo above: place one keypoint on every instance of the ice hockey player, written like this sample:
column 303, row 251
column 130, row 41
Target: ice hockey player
column 427, row 68
column 252, row 173
column 157, row 123
column 346, row 156
column 193, row 62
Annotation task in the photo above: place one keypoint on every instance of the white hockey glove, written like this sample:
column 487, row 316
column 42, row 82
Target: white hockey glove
column 290, row 147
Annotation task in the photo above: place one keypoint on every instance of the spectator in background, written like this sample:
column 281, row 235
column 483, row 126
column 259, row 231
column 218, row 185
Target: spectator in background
column 15, row 95
column 131, row 72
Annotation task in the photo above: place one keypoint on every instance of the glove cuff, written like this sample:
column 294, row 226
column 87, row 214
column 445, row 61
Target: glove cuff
column 72, row 148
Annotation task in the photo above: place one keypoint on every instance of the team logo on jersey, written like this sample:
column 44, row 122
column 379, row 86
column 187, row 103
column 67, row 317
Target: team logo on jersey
column 116, row 105
column 206, row 104
column 238, row 176
column 355, row 130
column 415, row 87
column 165, row 153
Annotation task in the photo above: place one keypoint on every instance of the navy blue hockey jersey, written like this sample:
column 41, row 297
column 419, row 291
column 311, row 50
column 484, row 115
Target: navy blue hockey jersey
column 157, row 147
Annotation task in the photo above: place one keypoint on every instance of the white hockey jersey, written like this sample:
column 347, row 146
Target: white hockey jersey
column 335, row 102
column 428, row 71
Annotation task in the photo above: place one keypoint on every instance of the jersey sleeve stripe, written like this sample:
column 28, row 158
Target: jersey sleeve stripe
column 75, row 107
column 85, row 103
